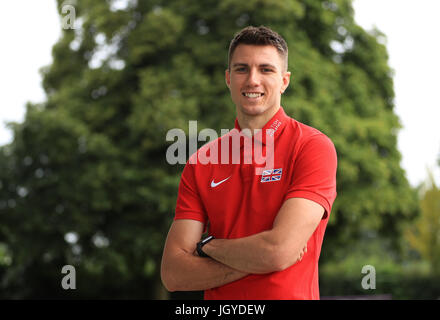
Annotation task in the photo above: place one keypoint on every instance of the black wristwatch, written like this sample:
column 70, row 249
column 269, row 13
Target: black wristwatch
column 201, row 244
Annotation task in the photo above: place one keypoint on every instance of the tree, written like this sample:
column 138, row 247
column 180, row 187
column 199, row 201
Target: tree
column 424, row 235
column 85, row 181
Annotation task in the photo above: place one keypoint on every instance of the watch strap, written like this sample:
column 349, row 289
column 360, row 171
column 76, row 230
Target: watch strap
column 201, row 244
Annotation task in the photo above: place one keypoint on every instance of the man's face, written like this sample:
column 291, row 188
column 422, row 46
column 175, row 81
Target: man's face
column 256, row 79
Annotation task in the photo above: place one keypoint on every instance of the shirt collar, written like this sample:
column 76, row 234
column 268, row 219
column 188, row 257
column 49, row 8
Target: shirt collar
column 275, row 126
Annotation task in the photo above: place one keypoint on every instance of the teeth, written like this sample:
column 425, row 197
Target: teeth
column 253, row 95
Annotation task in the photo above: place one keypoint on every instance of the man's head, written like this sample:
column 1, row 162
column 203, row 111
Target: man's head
column 259, row 36
column 257, row 72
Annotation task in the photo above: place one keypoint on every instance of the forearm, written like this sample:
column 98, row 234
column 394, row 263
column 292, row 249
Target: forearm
column 254, row 254
column 275, row 249
column 187, row 272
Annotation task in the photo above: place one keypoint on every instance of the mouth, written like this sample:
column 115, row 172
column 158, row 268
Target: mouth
column 252, row 95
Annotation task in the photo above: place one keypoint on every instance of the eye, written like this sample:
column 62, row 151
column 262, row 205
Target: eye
column 240, row 69
column 267, row 70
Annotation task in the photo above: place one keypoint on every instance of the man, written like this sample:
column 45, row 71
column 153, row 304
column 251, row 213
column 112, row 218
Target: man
column 266, row 222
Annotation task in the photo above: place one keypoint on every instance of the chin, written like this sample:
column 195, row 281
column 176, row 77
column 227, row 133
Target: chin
column 254, row 110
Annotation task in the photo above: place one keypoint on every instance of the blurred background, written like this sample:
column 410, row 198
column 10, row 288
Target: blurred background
column 90, row 89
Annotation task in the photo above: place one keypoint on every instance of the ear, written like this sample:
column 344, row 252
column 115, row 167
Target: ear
column 228, row 78
column 286, row 81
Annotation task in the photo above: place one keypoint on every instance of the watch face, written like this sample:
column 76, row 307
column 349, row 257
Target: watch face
column 200, row 245
column 207, row 239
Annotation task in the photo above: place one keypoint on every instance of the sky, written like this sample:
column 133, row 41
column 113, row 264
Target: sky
column 411, row 28
column 29, row 29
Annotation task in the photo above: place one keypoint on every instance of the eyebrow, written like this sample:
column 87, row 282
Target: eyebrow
column 246, row 65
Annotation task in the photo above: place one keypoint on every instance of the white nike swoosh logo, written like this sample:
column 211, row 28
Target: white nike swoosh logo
column 215, row 184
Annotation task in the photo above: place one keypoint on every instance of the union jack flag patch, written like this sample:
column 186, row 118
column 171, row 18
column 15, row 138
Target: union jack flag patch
column 271, row 175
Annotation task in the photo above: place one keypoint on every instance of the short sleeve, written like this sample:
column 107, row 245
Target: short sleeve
column 189, row 204
column 314, row 173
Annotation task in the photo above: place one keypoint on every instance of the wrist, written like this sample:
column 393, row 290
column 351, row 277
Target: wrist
column 201, row 245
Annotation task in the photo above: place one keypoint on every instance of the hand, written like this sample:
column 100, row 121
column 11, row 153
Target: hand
column 195, row 253
column 303, row 251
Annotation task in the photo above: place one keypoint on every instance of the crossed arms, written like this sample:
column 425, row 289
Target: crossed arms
column 232, row 259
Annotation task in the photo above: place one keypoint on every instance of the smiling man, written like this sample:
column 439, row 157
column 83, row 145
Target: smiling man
column 266, row 222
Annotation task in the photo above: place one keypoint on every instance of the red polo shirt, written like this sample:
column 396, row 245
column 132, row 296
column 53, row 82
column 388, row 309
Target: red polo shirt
column 240, row 199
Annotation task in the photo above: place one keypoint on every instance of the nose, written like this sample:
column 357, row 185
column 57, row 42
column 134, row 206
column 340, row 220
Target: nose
column 253, row 79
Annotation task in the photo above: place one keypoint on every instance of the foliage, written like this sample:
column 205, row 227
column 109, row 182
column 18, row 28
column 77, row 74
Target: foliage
column 399, row 285
column 424, row 235
column 85, row 181
column 395, row 276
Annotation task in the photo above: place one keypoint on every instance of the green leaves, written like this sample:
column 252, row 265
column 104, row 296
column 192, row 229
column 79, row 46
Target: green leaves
column 92, row 158
column 424, row 235
column 157, row 32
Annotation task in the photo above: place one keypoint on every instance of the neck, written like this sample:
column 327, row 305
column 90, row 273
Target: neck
column 254, row 122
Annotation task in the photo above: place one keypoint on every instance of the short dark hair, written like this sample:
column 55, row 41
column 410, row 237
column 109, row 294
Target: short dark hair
column 260, row 36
